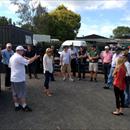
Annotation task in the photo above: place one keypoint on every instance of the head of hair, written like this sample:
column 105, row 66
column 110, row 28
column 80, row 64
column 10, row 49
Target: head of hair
column 121, row 60
column 48, row 50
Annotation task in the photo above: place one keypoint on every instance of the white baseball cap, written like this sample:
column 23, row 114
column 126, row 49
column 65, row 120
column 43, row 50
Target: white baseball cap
column 8, row 45
column 106, row 47
column 20, row 48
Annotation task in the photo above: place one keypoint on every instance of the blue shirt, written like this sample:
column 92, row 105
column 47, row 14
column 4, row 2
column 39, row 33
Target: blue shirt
column 6, row 56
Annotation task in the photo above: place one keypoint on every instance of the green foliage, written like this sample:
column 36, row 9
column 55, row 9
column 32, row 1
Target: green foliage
column 5, row 21
column 60, row 23
column 65, row 23
column 41, row 21
column 27, row 26
column 120, row 31
column 26, row 10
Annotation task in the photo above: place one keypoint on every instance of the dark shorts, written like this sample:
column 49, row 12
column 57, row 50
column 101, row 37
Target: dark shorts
column 19, row 89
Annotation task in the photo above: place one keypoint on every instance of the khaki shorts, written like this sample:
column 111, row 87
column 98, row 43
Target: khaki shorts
column 65, row 68
column 93, row 67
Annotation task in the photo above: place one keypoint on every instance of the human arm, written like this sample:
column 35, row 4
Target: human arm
column 61, row 59
column 31, row 60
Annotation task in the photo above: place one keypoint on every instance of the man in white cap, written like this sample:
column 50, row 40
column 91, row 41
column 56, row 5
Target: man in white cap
column 17, row 64
column 6, row 54
column 106, row 57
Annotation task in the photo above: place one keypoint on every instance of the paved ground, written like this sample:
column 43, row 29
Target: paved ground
column 81, row 105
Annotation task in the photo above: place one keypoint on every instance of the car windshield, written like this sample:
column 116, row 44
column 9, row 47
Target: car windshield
column 61, row 48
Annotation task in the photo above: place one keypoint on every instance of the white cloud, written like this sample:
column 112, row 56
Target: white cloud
column 85, row 4
column 110, row 4
column 8, row 6
column 13, row 8
column 104, row 30
column 76, row 5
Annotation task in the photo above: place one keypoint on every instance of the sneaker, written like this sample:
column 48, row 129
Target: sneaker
column 27, row 109
column 64, row 79
column 91, row 79
column 95, row 80
column 70, row 79
column 53, row 80
column 106, row 87
column 18, row 108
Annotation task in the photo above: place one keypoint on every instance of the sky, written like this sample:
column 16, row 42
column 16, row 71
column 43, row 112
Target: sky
column 97, row 16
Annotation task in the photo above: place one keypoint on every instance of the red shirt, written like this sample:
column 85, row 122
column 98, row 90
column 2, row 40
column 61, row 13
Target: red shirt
column 119, row 79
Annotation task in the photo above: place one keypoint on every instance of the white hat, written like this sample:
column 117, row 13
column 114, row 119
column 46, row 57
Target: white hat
column 20, row 48
column 8, row 45
column 106, row 47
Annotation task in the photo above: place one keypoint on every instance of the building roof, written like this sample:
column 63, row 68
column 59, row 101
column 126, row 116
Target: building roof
column 93, row 36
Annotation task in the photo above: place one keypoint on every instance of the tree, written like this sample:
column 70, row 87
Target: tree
column 5, row 21
column 120, row 31
column 42, row 24
column 31, row 16
column 27, row 26
column 40, row 10
column 26, row 10
column 60, row 23
column 64, row 23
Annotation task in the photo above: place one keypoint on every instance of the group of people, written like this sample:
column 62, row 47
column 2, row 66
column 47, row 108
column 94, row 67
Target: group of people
column 74, row 60
column 117, row 75
column 116, row 67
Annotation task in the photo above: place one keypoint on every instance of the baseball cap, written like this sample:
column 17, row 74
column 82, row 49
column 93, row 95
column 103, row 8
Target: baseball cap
column 106, row 47
column 8, row 45
column 20, row 48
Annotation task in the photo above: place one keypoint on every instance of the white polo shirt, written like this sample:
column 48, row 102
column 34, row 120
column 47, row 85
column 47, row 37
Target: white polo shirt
column 17, row 64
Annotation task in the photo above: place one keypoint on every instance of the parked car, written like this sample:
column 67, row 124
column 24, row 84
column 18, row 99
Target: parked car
column 76, row 43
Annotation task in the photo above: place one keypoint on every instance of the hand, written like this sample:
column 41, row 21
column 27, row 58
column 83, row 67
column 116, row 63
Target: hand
column 36, row 56
column 90, row 58
column 61, row 63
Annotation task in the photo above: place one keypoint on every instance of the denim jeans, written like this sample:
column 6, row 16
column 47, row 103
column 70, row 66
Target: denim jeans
column 106, row 67
column 110, row 77
column 47, row 79
column 127, row 91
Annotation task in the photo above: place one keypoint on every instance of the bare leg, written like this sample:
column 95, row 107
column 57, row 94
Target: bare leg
column 95, row 75
column 91, row 76
column 23, row 101
column 15, row 99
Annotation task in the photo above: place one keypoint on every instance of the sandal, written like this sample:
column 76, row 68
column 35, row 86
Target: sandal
column 121, row 113
column 116, row 113
column 48, row 94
